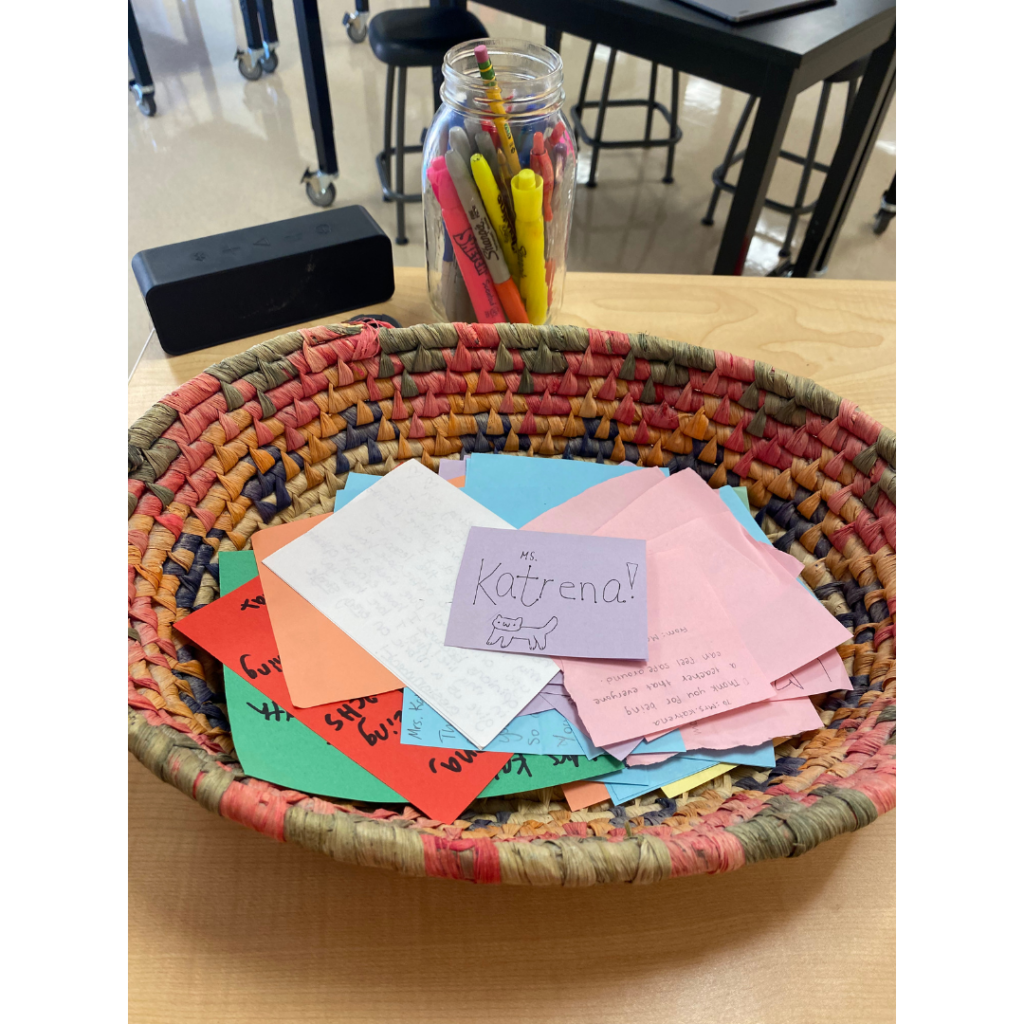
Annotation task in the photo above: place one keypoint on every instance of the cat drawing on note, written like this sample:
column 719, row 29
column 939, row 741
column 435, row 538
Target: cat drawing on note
column 504, row 630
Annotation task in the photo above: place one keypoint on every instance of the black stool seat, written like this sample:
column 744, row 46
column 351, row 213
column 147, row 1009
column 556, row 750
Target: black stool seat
column 419, row 37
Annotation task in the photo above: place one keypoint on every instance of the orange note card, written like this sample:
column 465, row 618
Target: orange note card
column 579, row 795
column 236, row 630
column 322, row 662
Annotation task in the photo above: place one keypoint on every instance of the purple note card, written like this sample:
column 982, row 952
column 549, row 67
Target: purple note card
column 557, row 594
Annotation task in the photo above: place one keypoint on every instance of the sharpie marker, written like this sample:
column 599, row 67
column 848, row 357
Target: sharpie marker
column 486, row 240
column 491, row 196
column 486, row 304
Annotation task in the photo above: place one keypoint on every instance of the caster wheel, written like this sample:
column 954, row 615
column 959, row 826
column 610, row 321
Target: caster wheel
column 707, row 220
column 269, row 64
column 147, row 104
column 318, row 198
column 355, row 27
column 881, row 222
column 247, row 68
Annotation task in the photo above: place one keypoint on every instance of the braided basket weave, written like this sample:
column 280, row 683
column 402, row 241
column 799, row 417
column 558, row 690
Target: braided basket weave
column 271, row 434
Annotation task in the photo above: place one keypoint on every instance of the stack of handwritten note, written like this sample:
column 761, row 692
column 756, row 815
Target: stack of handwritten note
column 511, row 624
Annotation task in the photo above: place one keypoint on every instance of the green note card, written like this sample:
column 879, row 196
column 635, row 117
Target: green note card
column 275, row 747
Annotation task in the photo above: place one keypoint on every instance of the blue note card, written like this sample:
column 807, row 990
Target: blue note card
column 519, row 488
column 546, row 732
column 630, row 782
column 356, row 484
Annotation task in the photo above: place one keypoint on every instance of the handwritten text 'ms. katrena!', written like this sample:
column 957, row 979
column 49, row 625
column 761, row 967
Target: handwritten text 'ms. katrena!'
column 493, row 584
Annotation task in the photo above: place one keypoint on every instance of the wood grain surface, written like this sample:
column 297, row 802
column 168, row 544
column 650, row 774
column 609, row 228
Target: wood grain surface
column 228, row 926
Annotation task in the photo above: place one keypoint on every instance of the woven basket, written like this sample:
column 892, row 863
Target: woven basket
column 271, row 434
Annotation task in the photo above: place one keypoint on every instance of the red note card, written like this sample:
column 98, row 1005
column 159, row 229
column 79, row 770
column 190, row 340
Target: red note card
column 441, row 783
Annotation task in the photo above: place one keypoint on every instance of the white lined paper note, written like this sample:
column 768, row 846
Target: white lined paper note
column 383, row 569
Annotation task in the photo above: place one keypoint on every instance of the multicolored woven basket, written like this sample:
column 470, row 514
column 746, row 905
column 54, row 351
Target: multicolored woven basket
column 271, row 434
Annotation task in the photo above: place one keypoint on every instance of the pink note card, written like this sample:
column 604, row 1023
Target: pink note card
column 697, row 664
column 593, row 507
column 751, row 725
column 782, row 625
column 823, row 675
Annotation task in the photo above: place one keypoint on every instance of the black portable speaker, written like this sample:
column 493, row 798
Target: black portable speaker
column 247, row 282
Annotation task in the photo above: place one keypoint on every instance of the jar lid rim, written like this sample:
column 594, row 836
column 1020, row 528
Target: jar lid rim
column 460, row 69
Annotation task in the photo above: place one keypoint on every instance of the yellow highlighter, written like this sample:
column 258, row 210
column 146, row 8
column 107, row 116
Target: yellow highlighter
column 528, row 197
column 489, row 194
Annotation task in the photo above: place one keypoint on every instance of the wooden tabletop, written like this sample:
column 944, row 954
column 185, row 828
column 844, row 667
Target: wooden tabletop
column 227, row 926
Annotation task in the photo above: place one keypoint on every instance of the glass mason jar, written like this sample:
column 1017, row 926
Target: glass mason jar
column 499, row 174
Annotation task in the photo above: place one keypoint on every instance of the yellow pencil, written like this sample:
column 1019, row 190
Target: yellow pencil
column 508, row 144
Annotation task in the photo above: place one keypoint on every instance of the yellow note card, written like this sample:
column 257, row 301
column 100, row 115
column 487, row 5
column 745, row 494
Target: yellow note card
column 684, row 785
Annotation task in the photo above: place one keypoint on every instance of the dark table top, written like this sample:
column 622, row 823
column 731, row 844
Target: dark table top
column 790, row 39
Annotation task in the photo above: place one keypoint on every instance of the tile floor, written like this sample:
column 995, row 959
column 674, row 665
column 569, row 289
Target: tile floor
column 225, row 153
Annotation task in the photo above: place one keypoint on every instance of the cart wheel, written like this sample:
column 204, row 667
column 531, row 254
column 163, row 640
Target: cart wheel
column 269, row 64
column 249, row 68
column 355, row 27
column 318, row 198
column 147, row 104
column 882, row 219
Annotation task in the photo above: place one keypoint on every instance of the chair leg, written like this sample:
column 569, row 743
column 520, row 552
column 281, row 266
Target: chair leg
column 652, row 92
column 805, row 177
column 587, row 68
column 389, row 113
column 437, row 77
column 601, row 110
column 400, row 156
column 709, row 217
column 674, row 120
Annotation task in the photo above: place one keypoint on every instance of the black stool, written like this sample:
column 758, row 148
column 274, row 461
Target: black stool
column 416, row 38
column 597, row 143
column 851, row 75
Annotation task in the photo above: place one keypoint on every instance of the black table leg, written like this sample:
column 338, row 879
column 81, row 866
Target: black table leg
column 314, row 70
column 855, row 145
column 251, row 24
column 266, row 11
column 773, row 110
column 142, row 83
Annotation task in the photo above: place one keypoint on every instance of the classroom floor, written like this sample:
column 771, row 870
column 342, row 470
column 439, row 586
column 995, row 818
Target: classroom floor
column 224, row 153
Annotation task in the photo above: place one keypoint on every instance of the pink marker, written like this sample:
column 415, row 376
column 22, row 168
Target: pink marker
column 486, row 304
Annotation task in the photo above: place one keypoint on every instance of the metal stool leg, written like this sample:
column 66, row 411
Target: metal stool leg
column 389, row 113
column 723, row 170
column 400, row 156
column 581, row 106
column 886, row 209
column 851, row 95
column 438, row 77
column 805, row 176
column 652, row 92
column 668, row 179
column 599, row 131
